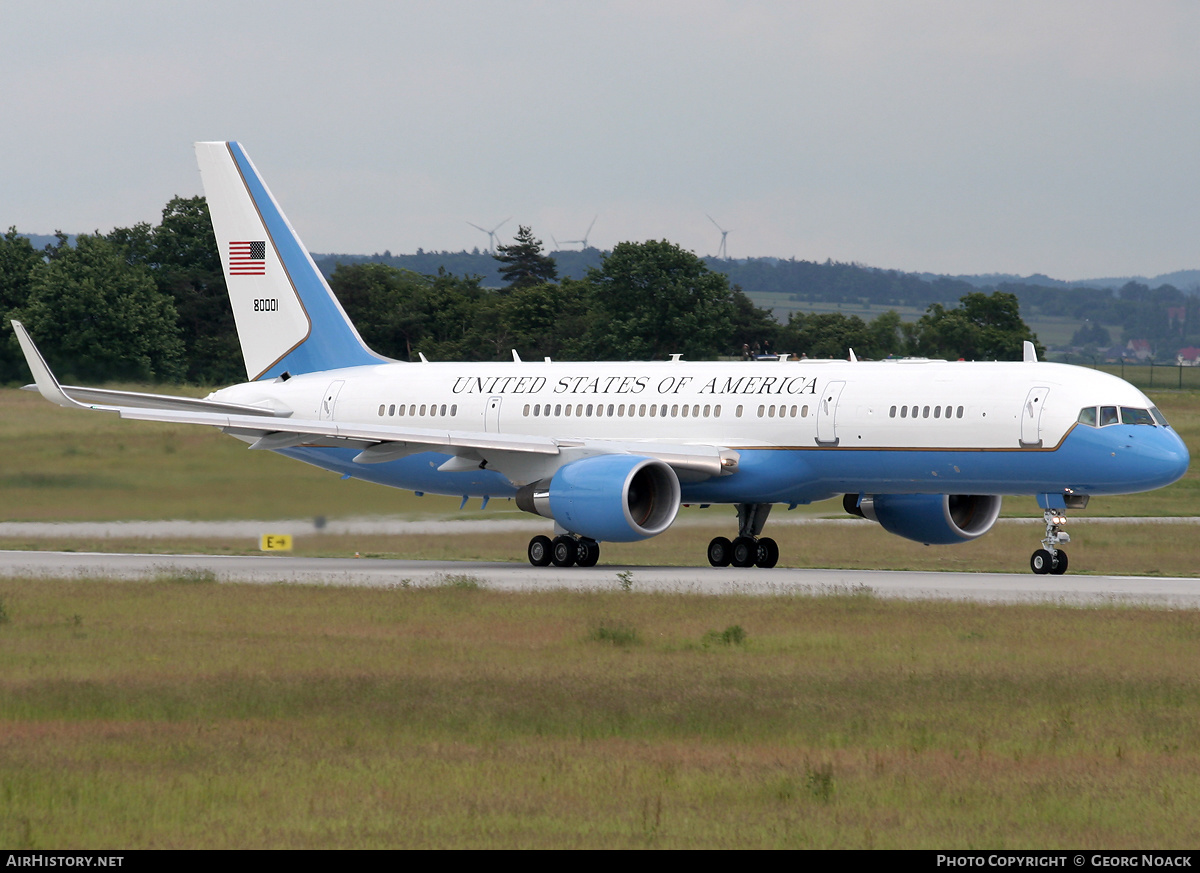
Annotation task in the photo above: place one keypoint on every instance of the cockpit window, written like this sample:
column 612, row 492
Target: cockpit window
column 1136, row 416
column 1121, row 415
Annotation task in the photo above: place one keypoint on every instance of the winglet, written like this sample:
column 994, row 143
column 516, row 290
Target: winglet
column 1029, row 352
column 46, row 383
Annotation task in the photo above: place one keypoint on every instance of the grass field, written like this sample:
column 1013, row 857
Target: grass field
column 186, row 713
column 183, row 713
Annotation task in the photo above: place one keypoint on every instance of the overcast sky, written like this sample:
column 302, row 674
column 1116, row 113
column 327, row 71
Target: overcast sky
column 954, row 137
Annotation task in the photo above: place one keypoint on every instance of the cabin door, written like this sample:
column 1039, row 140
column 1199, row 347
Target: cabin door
column 329, row 401
column 1031, row 417
column 491, row 421
column 827, row 414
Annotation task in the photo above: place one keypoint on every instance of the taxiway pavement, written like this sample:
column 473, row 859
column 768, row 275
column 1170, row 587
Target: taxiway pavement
column 1078, row 590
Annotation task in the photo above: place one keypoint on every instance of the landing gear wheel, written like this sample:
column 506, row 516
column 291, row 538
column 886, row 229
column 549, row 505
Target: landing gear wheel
column 1060, row 563
column 745, row 550
column 564, row 551
column 720, row 552
column 587, row 553
column 540, row 551
column 1041, row 562
column 768, row 553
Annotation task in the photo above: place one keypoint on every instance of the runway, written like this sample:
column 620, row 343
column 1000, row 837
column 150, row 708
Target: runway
column 1179, row 593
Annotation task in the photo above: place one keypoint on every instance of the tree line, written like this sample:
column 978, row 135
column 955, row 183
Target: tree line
column 148, row 303
column 1167, row 317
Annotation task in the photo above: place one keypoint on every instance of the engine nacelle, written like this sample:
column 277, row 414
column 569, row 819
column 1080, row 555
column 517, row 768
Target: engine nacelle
column 932, row 519
column 609, row 498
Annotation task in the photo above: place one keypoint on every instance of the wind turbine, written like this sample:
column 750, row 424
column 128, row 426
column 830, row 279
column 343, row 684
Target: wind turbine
column 491, row 233
column 582, row 242
column 722, row 252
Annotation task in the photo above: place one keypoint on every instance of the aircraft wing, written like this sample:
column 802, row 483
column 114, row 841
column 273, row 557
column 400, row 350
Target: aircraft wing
column 377, row 443
column 75, row 397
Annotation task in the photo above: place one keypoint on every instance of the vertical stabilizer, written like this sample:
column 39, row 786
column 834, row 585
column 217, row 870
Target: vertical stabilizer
column 287, row 317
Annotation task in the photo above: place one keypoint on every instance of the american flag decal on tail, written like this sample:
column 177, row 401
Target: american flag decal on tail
column 248, row 258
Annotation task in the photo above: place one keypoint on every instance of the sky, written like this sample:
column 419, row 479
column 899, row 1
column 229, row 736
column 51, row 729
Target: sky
column 952, row 137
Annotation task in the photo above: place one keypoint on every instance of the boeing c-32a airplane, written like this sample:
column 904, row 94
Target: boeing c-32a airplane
column 610, row 451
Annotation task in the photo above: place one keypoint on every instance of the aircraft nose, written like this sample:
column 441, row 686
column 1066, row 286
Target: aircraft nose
column 1167, row 457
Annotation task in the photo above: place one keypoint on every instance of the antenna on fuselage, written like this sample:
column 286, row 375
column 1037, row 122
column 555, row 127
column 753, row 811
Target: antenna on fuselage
column 1029, row 352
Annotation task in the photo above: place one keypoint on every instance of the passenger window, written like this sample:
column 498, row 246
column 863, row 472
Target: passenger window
column 558, row 409
column 642, row 410
column 589, row 409
column 960, row 411
column 925, row 412
column 685, row 410
column 674, row 410
column 707, row 410
column 422, row 409
column 454, row 409
column 443, row 409
column 717, row 411
column 1087, row 416
column 904, row 412
column 804, row 412
column 892, row 414
column 738, row 412
column 381, row 409
column 526, row 409
column 761, row 410
column 937, row 412
column 610, row 410
column 1108, row 415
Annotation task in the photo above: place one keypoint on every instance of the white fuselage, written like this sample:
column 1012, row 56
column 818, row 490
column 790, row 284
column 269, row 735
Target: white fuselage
column 821, row 410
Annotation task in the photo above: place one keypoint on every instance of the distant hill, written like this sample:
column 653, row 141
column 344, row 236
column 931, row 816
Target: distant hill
column 41, row 240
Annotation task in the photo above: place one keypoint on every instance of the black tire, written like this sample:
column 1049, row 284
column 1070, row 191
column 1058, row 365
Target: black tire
column 587, row 553
column 720, row 552
column 1041, row 562
column 768, row 553
column 744, row 551
column 540, row 551
column 1060, row 562
column 564, row 551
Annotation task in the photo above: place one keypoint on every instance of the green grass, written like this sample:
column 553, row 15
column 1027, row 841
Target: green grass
column 167, row 715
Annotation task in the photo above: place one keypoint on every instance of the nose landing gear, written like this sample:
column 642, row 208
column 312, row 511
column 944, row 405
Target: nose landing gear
column 1050, row 558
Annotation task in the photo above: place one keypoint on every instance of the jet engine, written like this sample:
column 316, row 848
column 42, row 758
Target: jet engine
column 932, row 519
column 613, row 498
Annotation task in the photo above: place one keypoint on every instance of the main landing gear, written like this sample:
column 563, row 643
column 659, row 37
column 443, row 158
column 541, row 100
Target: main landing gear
column 1050, row 558
column 747, row 549
column 563, row 551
